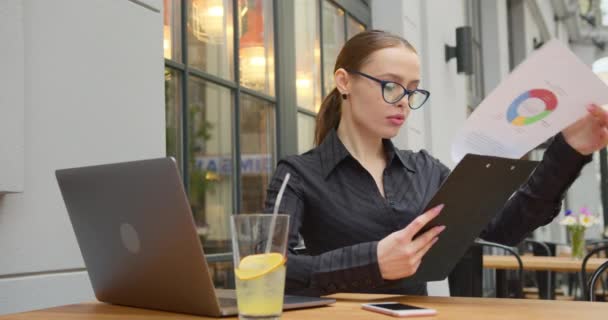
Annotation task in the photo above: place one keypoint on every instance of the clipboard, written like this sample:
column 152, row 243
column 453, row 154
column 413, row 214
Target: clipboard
column 474, row 193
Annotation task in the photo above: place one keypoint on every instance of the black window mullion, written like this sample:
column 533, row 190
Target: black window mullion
column 184, row 107
column 345, row 22
column 322, row 55
column 236, row 125
column 258, row 95
column 174, row 65
column 307, row 112
column 211, row 78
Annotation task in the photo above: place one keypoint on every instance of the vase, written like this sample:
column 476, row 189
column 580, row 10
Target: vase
column 577, row 241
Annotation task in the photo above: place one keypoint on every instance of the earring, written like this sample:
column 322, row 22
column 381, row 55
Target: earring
column 344, row 96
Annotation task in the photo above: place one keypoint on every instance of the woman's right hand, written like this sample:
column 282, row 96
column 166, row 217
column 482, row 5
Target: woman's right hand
column 399, row 255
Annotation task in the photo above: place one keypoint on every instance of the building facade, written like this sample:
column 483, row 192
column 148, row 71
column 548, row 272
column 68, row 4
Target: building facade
column 227, row 87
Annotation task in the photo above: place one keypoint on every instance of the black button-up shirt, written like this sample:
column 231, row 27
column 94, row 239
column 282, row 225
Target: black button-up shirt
column 336, row 207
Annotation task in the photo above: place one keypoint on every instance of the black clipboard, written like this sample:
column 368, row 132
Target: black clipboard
column 474, row 192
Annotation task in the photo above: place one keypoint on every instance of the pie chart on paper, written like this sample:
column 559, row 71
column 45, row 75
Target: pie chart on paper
column 547, row 97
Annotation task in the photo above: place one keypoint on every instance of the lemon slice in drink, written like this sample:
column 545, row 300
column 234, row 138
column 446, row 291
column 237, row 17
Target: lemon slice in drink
column 257, row 265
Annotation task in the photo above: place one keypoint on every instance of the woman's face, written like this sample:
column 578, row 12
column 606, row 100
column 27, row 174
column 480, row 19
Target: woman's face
column 365, row 106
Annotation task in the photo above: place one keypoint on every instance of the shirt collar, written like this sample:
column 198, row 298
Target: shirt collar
column 332, row 152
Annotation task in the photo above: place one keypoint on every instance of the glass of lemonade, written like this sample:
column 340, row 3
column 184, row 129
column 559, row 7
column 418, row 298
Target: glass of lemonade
column 259, row 261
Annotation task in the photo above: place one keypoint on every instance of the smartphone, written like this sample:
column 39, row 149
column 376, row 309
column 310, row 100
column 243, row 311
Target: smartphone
column 397, row 309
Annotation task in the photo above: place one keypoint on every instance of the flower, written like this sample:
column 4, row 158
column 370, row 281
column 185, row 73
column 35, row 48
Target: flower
column 583, row 220
column 587, row 220
column 568, row 221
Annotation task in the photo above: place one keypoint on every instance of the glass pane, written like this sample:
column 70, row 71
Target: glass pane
column 306, row 132
column 353, row 27
column 222, row 274
column 173, row 114
column 210, row 162
column 171, row 29
column 257, row 151
column 308, row 58
column 333, row 40
column 256, row 52
column 210, row 37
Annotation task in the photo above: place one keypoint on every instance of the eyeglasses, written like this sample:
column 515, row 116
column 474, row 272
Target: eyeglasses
column 393, row 92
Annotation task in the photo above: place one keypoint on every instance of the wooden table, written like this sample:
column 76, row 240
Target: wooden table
column 539, row 263
column 349, row 307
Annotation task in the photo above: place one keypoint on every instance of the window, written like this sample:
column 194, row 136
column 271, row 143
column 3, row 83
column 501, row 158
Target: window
column 256, row 51
column 308, row 57
column 173, row 114
column 215, row 76
column 306, row 132
column 210, row 183
column 353, row 27
column 315, row 59
column 258, row 151
column 209, row 37
column 221, row 100
column 171, row 30
column 334, row 37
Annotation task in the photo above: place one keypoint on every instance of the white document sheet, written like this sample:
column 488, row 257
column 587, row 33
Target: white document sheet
column 543, row 95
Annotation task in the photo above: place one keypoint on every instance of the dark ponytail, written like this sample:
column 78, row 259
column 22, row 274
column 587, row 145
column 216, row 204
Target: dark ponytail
column 329, row 115
column 353, row 55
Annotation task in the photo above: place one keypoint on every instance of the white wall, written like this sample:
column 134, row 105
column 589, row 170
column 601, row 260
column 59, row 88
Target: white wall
column 93, row 93
column 586, row 190
column 448, row 106
column 404, row 18
column 11, row 97
column 433, row 126
column 495, row 43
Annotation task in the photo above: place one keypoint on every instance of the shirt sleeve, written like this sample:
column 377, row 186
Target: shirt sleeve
column 538, row 201
column 344, row 269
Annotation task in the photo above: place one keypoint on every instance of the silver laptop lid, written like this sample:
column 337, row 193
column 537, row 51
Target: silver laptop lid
column 137, row 237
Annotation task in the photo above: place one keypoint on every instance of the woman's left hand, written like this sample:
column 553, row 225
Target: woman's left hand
column 590, row 133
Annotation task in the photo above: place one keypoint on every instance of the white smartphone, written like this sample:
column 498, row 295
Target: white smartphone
column 397, row 309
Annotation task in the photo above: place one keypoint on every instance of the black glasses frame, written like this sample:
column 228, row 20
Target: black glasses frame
column 383, row 84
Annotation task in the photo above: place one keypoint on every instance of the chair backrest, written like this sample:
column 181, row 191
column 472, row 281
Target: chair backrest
column 540, row 248
column 520, row 271
column 589, row 255
column 594, row 277
column 465, row 280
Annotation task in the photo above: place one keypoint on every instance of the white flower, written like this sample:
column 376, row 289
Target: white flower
column 568, row 221
column 587, row 221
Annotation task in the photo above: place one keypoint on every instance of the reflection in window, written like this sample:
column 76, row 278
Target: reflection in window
column 210, row 34
column 256, row 52
column 353, row 27
column 171, row 31
column 210, row 162
column 257, row 151
column 308, row 57
column 306, row 132
column 333, row 40
column 173, row 114
column 222, row 274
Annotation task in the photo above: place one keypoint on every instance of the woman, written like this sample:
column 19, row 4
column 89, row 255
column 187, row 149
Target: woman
column 356, row 199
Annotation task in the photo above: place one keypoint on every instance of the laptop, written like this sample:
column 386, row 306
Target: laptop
column 138, row 239
column 474, row 193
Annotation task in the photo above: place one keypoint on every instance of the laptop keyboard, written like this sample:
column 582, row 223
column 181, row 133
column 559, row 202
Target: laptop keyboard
column 227, row 302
